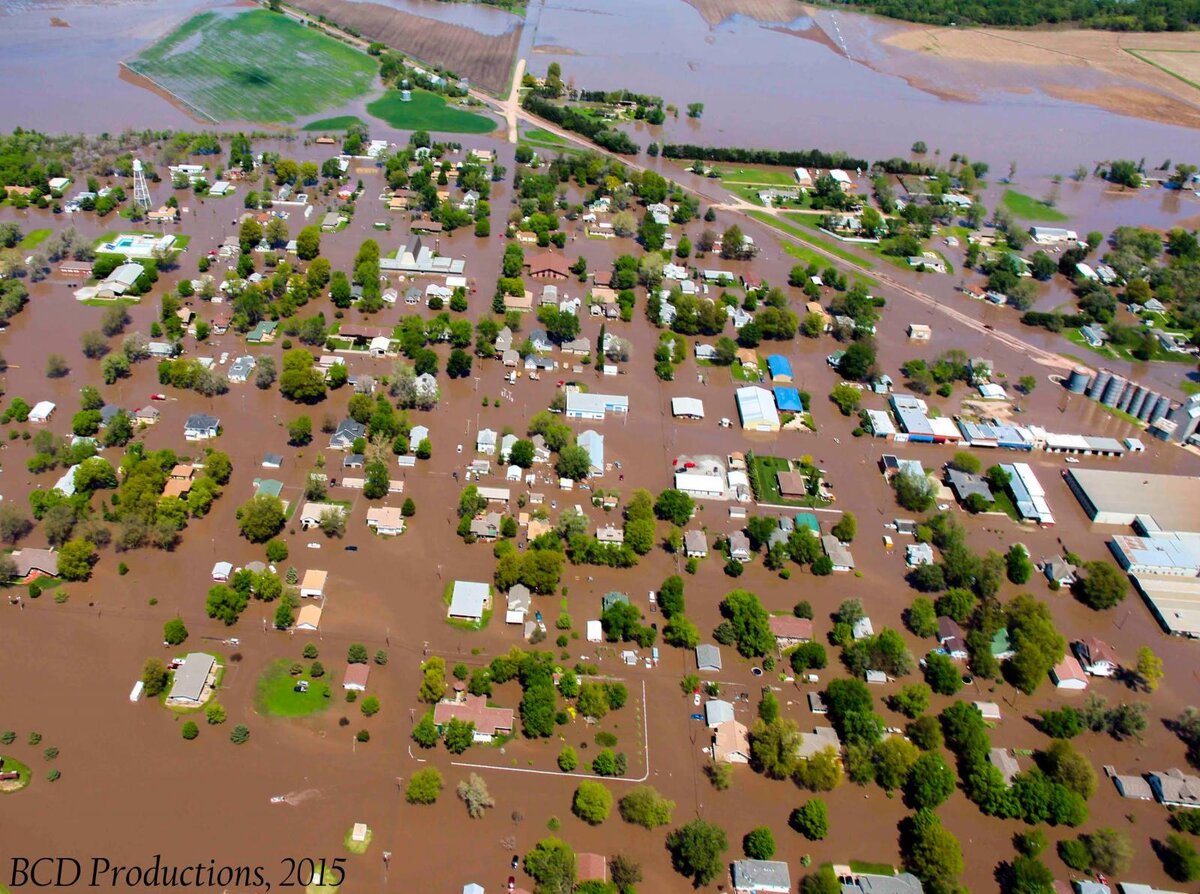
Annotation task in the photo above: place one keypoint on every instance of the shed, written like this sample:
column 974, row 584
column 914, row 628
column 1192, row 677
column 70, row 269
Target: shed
column 468, row 600
column 708, row 657
column 309, row 617
column 1068, row 674
column 356, row 677
column 313, row 584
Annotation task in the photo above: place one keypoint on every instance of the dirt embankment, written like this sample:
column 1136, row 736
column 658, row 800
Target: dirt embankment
column 485, row 59
column 1092, row 67
column 717, row 11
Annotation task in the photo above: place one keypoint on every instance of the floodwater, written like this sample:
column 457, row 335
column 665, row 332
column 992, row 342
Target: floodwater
column 810, row 82
column 132, row 787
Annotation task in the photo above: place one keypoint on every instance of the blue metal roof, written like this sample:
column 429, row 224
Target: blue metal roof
column 788, row 399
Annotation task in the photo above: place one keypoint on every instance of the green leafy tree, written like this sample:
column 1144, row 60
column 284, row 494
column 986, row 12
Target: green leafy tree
column 424, row 787
column 759, row 843
column 1101, row 585
column 174, row 632
column 592, row 802
column 425, row 733
column 644, row 806
column 696, row 850
column 260, row 518
column 930, row 782
column 811, row 819
column 551, row 864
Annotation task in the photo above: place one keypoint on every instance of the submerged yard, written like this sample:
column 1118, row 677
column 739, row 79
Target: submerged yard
column 255, row 66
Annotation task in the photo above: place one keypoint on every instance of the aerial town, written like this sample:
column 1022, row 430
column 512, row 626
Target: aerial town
column 431, row 459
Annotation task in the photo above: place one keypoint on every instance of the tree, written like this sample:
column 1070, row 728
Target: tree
column 644, row 806
column 433, row 683
column 260, row 518
column 931, row 852
column 846, row 528
column 911, row 700
column 941, row 674
column 56, row 366
column 75, row 560
column 674, row 506
column 424, row 787
column 913, row 491
column 1180, row 859
column 214, row 713
column 1018, row 565
column 858, row 363
column 567, row 759
column 14, row 523
column 308, row 243
column 299, row 431
column 759, row 843
column 174, row 631
column 1101, row 586
column 592, row 802
column 893, row 758
column 375, row 482
column 696, row 850
column 811, row 820
column 189, row 730
column 425, row 733
column 473, row 792
column 1110, row 849
column 822, row 772
column 154, row 677
column 1066, row 766
column 774, row 747
column 574, row 462
column 750, row 623
column 930, row 782
column 625, row 872
column 370, row 706
column 921, row 617
column 846, row 396
column 551, row 864
column 459, row 735
column 1149, row 669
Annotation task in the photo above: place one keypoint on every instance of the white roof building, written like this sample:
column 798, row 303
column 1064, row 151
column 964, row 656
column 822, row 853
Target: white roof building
column 756, row 407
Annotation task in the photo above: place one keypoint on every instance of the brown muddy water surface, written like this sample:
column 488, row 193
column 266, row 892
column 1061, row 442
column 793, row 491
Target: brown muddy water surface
column 132, row 787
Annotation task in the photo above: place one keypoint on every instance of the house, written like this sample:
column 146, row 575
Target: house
column 1068, row 674
column 540, row 341
column 192, row 679
column 964, row 484
column 761, row 877
column 918, row 554
column 311, row 513
column 489, row 722
column 146, row 415
column 486, row 526
column 780, row 368
column 201, row 427
column 356, row 676
column 790, row 631
column 739, row 547
column 42, row 411
column 353, row 461
column 313, row 584
column 868, row 883
column 309, row 617
column 816, row 704
column 1093, row 335
column 272, row 460
column 687, row 408
column 485, row 441
column 818, row 740
column 221, row 571
column 469, row 600
column 1096, row 657
column 591, row 868
column 1001, row 648
column 756, row 409
column 695, row 544
column 347, row 432
column 708, row 657
column 838, row 552
column 610, row 535
column 263, row 333
column 919, row 332
column 788, row 400
column 1174, row 788
column 240, row 369
column 590, row 405
column 1005, row 763
column 520, row 601
column 1052, row 235
column 875, row 677
column 731, row 743
column 33, row 563
column 548, row 265
column 717, row 711
column 593, row 442
column 387, row 521
column 1135, row 788
column 494, row 494
column 862, row 629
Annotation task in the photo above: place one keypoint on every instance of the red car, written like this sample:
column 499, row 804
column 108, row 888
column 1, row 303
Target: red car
column 512, row 882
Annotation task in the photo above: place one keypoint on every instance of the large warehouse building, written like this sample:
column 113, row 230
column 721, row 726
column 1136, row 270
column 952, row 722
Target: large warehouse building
column 1120, row 498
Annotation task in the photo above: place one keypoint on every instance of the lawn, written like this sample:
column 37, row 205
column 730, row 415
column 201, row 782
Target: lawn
column 1029, row 208
column 799, row 233
column 33, row 239
column 766, row 486
column 277, row 695
column 255, row 66
column 339, row 123
column 762, row 176
column 357, row 847
column 11, row 763
column 428, row 111
column 544, row 136
column 1003, row 503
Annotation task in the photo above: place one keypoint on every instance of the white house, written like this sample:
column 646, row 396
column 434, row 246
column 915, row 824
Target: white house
column 42, row 411
column 313, row 584
column 201, row 427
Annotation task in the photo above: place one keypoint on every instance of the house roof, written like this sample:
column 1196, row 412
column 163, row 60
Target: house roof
column 591, row 867
column 548, row 262
column 385, row 516
column 760, row 875
column 788, row 399
column 731, row 737
column 30, row 560
column 717, row 711
column 790, row 627
column 314, row 579
column 191, row 676
column 201, row 422
column 468, row 599
column 356, row 675
column 695, row 541
column 708, row 656
column 778, row 365
column 309, row 616
column 475, row 709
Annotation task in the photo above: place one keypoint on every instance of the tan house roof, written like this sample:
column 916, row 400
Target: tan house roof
column 176, row 487
column 314, row 579
column 309, row 616
column 29, row 560
column 731, row 741
column 791, row 628
column 474, row 708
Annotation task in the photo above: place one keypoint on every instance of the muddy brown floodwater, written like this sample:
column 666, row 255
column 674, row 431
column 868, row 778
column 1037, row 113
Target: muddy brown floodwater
column 132, row 787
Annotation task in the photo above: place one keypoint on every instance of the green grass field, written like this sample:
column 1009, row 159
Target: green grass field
column 33, row 239
column 762, row 176
column 277, row 696
column 255, row 66
column 339, row 123
column 1029, row 208
column 544, row 136
column 427, row 111
column 11, row 763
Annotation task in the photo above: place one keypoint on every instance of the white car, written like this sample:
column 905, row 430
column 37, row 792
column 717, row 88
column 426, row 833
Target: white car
column 1072, row 460
column 696, row 698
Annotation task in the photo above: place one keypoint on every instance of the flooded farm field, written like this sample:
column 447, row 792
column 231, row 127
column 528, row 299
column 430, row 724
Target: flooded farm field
column 132, row 787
